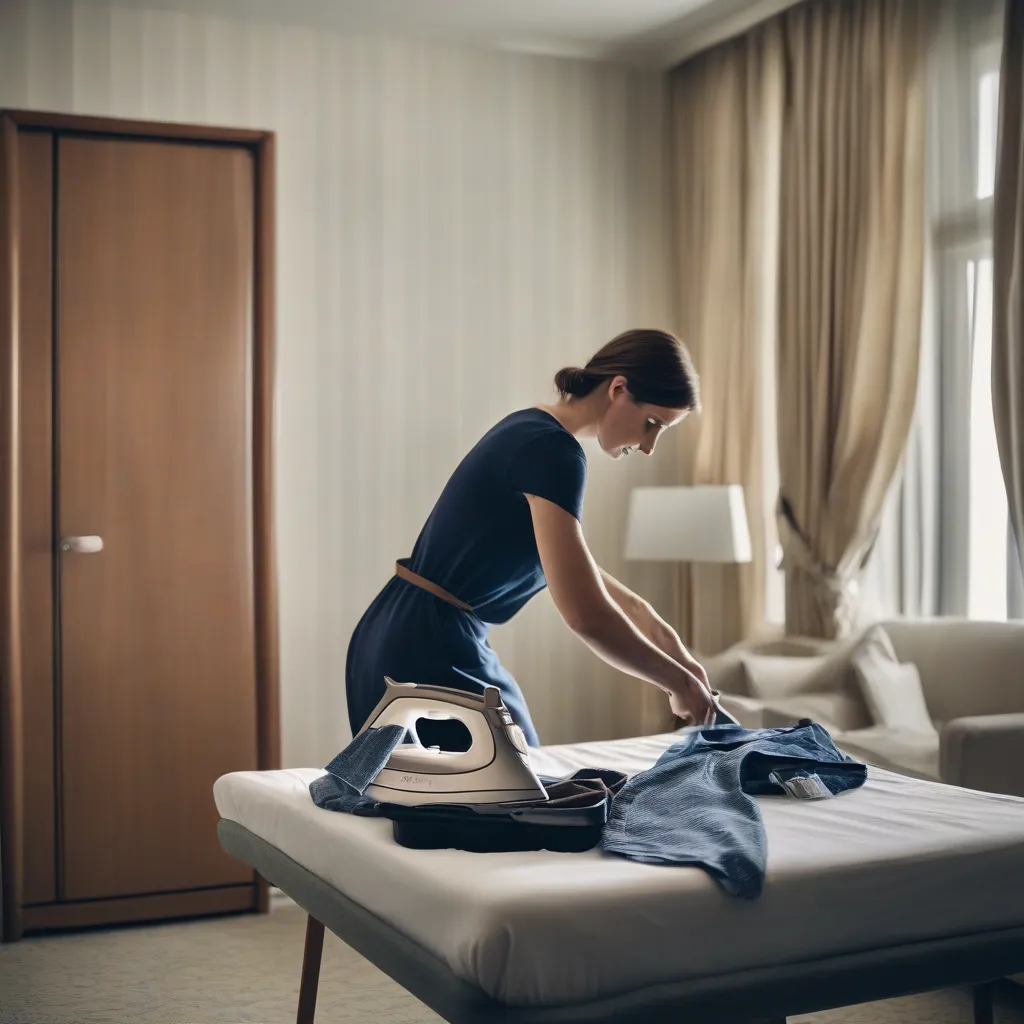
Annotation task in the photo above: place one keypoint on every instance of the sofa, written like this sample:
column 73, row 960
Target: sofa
column 939, row 699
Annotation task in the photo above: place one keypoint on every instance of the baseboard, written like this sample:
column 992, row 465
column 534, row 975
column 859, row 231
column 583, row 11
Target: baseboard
column 138, row 909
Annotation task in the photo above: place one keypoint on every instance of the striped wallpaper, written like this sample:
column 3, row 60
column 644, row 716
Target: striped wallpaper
column 453, row 225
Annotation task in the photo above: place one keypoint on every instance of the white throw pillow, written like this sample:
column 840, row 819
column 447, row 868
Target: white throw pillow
column 769, row 677
column 874, row 642
column 836, row 673
column 893, row 692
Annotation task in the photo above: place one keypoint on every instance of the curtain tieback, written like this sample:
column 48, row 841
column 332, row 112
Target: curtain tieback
column 797, row 553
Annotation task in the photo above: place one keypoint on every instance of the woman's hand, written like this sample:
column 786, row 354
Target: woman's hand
column 694, row 704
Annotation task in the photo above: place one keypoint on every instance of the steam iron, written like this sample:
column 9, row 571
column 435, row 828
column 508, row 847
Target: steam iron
column 495, row 769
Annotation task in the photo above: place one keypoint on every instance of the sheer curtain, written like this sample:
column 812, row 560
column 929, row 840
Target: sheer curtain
column 903, row 574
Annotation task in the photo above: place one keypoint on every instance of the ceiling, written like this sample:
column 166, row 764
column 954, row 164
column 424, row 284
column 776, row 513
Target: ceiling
column 647, row 32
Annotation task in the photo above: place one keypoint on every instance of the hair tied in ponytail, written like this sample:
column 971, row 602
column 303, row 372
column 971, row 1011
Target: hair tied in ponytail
column 571, row 381
column 655, row 363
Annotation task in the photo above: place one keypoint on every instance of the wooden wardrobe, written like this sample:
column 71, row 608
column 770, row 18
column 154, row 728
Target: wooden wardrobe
column 138, row 655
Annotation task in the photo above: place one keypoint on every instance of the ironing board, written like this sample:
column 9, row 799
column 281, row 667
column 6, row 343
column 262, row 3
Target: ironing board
column 901, row 887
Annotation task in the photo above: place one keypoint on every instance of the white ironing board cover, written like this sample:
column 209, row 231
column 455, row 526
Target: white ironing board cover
column 897, row 861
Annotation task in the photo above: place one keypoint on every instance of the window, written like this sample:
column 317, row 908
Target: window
column 988, row 552
column 980, row 572
column 988, row 115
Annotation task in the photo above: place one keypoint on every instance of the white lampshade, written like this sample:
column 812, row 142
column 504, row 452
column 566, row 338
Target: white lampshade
column 706, row 523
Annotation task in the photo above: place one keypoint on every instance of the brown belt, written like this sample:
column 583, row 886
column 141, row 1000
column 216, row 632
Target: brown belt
column 432, row 588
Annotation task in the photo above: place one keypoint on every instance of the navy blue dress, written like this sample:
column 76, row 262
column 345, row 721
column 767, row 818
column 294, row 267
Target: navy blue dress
column 478, row 544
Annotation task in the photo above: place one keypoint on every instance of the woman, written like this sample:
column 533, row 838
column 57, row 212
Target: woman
column 508, row 523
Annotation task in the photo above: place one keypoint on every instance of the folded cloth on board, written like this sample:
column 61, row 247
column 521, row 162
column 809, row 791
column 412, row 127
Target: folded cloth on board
column 695, row 805
column 351, row 771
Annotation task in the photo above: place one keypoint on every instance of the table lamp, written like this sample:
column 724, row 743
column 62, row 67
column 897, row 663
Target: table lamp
column 704, row 523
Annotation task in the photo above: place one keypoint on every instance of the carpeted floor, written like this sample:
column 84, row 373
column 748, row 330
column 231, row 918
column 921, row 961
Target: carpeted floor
column 234, row 969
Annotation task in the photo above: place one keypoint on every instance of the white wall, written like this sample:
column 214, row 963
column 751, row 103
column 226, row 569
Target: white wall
column 453, row 226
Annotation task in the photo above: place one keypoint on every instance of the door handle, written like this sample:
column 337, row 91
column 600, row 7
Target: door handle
column 82, row 545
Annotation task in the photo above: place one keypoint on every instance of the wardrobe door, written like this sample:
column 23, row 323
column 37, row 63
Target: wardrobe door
column 35, row 410
column 157, row 683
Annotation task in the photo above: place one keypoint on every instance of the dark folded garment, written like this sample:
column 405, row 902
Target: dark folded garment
column 571, row 820
column 578, row 790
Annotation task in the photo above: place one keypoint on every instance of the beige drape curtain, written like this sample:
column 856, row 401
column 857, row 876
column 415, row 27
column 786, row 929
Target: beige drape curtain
column 799, row 228
column 1007, row 268
column 850, row 289
column 726, row 108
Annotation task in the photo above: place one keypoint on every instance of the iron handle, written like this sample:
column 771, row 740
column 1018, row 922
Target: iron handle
column 82, row 545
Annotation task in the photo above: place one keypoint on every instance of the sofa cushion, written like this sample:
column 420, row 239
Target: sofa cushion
column 725, row 669
column 777, row 678
column 770, row 676
column 893, row 692
column 837, row 712
column 897, row 750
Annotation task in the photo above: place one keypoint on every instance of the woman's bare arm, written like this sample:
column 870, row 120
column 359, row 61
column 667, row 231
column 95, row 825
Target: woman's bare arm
column 643, row 615
column 582, row 599
column 633, row 605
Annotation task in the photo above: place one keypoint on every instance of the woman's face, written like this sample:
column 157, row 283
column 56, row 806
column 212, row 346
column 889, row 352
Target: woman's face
column 626, row 424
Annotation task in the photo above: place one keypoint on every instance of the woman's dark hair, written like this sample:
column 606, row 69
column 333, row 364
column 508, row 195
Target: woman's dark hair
column 656, row 365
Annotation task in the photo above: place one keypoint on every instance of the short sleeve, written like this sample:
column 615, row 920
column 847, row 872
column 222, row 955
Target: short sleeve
column 551, row 466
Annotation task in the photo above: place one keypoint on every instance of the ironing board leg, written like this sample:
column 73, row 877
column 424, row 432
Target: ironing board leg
column 310, row 970
column 984, row 1012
